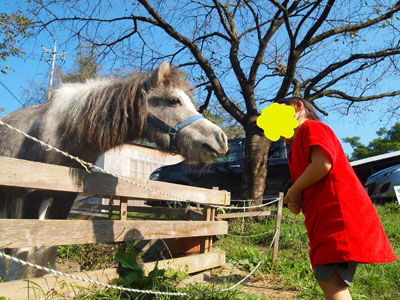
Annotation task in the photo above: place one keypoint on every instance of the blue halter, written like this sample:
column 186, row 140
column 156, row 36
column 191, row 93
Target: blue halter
column 172, row 131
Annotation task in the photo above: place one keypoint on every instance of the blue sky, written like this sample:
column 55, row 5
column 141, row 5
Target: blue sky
column 33, row 67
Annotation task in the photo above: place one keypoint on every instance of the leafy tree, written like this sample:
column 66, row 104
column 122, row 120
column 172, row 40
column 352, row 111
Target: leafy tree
column 249, row 52
column 86, row 67
column 388, row 141
column 14, row 27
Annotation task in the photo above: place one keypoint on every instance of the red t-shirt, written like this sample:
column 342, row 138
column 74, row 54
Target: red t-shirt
column 341, row 221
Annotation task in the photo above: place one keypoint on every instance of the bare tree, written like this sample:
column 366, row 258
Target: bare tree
column 247, row 52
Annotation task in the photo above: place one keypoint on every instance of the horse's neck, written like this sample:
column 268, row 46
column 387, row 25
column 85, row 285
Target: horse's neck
column 87, row 116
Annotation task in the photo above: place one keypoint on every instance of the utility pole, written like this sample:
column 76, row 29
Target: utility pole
column 54, row 54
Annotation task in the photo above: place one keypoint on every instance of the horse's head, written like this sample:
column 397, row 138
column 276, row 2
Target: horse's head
column 173, row 122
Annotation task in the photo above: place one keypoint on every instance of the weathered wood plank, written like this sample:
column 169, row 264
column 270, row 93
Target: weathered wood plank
column 20, row 290
column 278, row 229
column 16, row 233
column 40, row 288
column 192, row 211
column 123, row 210
column 266, row 213
column 157, row 210
column 29, row 174
column 189, row 264
column 84, row 215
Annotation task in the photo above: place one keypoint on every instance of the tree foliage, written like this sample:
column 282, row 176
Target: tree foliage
column 86, row 67
column 388, row 141
column 249, row 52
column 14, row 27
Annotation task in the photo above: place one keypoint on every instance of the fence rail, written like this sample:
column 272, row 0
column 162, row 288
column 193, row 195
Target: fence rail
column 17, row 233
column 201, row 224
column 28, row 174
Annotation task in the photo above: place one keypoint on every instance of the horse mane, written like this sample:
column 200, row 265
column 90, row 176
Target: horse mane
column 105, row 113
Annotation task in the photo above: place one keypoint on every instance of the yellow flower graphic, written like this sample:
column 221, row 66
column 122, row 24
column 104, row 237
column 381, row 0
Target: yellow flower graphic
column 277, row 120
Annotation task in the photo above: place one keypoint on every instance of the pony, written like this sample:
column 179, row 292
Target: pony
column 85, row 120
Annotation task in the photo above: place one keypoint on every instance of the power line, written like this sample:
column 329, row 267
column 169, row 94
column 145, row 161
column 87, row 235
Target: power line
column 11, row 93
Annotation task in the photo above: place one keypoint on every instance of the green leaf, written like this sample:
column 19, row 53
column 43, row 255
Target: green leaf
column 127, row 261
column 133, row 276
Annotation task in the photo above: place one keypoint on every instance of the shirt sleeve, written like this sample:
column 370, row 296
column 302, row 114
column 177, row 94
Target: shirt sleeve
column 319, row 134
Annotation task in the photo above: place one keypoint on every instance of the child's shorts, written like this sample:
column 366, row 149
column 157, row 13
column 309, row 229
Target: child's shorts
column 346, row 271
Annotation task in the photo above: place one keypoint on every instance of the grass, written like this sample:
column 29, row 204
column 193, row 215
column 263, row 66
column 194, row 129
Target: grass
column 380, row 281
column 372, row 281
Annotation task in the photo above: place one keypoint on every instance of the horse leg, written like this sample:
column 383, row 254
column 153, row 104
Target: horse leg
column 58, row 207
column 61, row 205
column 34, row 206
column 16, row 270
column 42, row 255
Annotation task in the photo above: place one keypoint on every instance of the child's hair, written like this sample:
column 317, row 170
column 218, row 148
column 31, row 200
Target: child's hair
column 310, row 112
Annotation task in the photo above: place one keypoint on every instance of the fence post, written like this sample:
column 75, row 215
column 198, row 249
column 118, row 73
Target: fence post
column 123, row 211
column 277, row 228
column 110, row 207
column 207, row 243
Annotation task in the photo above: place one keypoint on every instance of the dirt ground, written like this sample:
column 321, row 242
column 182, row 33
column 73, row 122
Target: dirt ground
column 263, row 285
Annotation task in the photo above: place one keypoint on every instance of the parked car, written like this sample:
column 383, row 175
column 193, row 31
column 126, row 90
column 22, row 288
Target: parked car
column 226, row 172
column 380, row 185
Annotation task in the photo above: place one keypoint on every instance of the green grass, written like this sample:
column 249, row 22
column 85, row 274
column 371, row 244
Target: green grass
column 89, row 256
column 380, row 281
column 372, row 281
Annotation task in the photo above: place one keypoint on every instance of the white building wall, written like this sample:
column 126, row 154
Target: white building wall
column 137, row 162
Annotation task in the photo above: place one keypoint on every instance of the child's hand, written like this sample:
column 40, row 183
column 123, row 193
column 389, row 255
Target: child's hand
column 293, row 200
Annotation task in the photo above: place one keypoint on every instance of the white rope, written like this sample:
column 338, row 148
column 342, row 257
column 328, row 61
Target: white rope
column 132, row 290
column 252, row 200
column 245, row 207
column 249, row 236
column 88, row 165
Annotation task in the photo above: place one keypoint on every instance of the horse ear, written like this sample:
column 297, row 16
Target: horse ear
column 160, row 74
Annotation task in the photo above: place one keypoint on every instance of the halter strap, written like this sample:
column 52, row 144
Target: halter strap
column 173, row 130
column 188, row 122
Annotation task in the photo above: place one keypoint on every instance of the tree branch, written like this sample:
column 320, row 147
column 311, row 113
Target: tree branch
column 203, row 63
column 295, row 53
column 342, row 95
column 306, row 40
column 275, row 24
column 354, row 27
column 209, row 94
column 337, row 65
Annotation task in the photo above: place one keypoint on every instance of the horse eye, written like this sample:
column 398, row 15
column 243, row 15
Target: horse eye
column 174, row 101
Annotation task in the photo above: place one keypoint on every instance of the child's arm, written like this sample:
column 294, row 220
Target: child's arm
column 319, row 166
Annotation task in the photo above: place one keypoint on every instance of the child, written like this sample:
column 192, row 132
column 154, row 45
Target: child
column 342, row 224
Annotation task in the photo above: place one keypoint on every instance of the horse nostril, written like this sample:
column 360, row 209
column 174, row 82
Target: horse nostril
column 223, row 138
column 223, row 142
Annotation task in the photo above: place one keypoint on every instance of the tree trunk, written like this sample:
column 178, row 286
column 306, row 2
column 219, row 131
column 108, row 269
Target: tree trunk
column 255, row 166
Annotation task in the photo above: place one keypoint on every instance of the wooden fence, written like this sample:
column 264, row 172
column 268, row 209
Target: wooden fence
column 17, row 233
